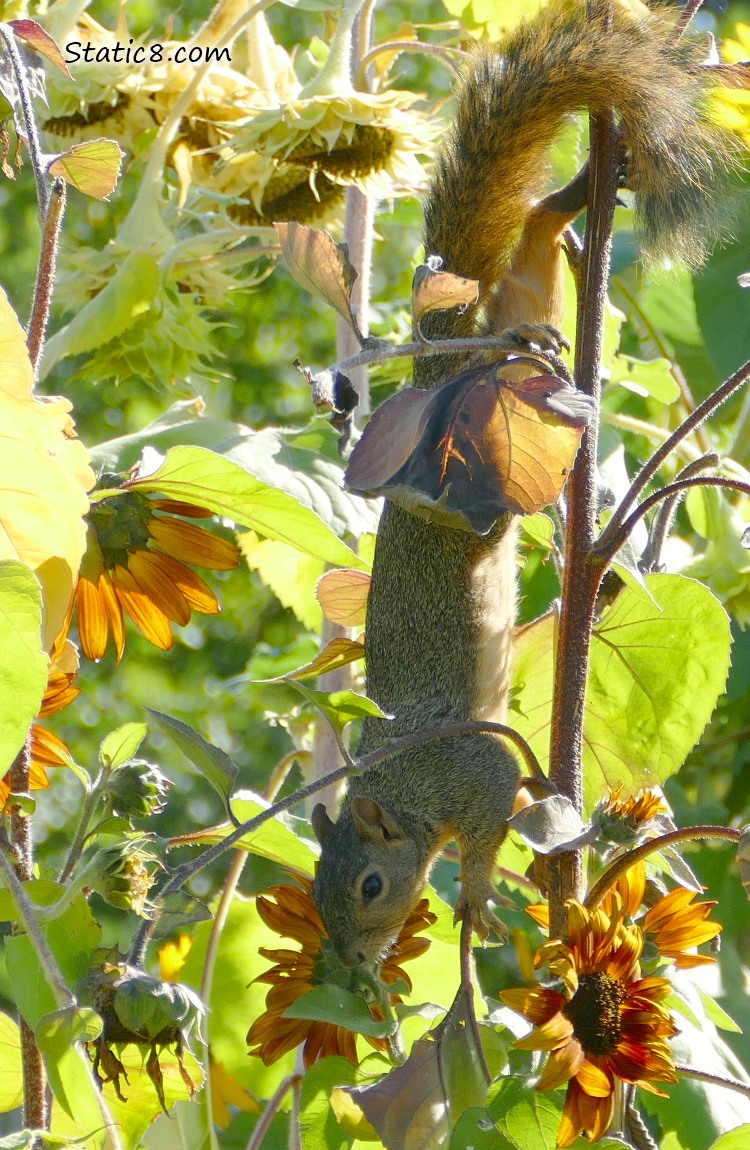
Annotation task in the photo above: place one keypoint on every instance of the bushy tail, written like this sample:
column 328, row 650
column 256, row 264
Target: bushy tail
column 510, row 107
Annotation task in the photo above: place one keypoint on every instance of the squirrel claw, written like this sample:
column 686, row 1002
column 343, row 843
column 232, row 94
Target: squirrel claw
column 482, row 918
column 542, row 336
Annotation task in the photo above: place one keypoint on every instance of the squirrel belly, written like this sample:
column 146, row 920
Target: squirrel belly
column 442, row 601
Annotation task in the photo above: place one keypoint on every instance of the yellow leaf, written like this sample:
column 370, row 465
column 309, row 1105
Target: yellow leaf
column 44, row 477
column 342, row 594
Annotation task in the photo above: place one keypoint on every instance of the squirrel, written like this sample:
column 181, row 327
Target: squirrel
column 442, row 601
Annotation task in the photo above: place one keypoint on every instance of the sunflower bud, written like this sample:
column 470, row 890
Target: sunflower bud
column 138, row 1009
column 137, row 789
column 119, row 874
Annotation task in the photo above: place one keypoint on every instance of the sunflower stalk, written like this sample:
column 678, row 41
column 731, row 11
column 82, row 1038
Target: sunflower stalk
column 334, row 78
column 78, row 842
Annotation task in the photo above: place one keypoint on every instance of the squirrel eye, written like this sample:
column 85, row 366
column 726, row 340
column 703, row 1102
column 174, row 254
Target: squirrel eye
column 372, row 885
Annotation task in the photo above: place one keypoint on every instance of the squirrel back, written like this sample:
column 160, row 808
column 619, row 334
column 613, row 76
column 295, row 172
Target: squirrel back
column 442, row 601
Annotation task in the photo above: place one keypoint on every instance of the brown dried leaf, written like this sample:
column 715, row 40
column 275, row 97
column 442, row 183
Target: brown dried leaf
column 473, row 449
column 342, row 594
column 434, row 290
column 35, row 36
column 320, row 265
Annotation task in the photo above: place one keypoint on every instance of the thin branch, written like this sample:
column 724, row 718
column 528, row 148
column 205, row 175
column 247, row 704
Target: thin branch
column 45, row 279
column 649, row 469
column 380, row 353
column 608, row 545
column 692, row 7
column 625, row 862
column 664, row 519
column 714, row 1079
column 442, row 52
column 467, row 985
column 29, row 120
column 367, row 762
column 272, row 1108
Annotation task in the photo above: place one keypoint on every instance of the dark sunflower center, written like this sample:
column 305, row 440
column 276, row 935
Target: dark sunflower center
column 594, row 1011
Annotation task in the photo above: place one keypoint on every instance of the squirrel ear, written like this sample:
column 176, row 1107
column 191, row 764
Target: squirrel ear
column 373, row 823
column 322, row 823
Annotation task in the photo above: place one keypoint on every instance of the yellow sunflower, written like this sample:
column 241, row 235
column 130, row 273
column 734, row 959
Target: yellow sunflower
column 606, row 1022
column 291, row 912
column 135, row 562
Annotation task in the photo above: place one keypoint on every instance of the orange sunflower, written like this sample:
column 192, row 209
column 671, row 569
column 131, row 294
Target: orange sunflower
column 45, row 748
column 135, row 562
column 606, row 1022
column 294, row 915
column 674, row 925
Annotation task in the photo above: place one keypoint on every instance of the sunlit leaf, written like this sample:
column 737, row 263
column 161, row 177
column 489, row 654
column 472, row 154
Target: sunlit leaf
column 434, row 290
column 57, row 1035
column 289, row 573
column 93, row 167
column 335, row 654
column 341, row 1007
column 343, row 596
column 659, row 661
column 197, row 476
column 11, row 1078
column 480, row 445
column 44, row 477
column 275, row 839
column 339, row 707
column 122, row 744
column 23, row 663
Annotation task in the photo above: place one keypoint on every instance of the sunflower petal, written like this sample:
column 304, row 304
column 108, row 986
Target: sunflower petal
column 147, row 615
column 193, row 544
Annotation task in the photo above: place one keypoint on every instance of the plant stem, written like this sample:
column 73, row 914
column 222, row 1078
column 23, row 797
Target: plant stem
column 625, row 862
column 582, row 574
column 29, row 120
column 649, row 469
column 714, row 1079
column 442, row 52
column 45, row 279
column 380, row 352
column 609, row 544
column 272, row 1107
column 79, row 838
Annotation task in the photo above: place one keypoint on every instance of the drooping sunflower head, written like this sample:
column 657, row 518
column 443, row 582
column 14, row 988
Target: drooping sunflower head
column 135, row 562
column 290, row 911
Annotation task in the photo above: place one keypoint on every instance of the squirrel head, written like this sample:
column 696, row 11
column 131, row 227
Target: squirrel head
column 370, row 875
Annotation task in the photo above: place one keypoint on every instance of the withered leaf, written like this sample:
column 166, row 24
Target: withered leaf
column 417, row 1103
column 434, row 290
column 342, row 594
column 35, row 36
column 321, row 266
column 474, row 448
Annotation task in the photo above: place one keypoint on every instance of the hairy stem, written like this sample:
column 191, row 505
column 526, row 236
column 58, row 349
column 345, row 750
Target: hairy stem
column 28, row 118
column 625, row 862
column 650, row 468
column 607, row 548
column 45, row 279
column 582, row 574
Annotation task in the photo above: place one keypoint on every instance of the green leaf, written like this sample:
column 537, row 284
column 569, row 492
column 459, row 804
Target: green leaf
column 719, row 1017
column 340, row 1007
column 23, row 663
column 122, row 744
column 215, row 764
column 528, row 1119
column 128, row 295
column 291, row 575
column 11, row 1076
column 659, row 661
column 93, row 167
column 57, row 1035
column 653, row 377
column 206, row 479
column 737, row 1139
column 179, row 909
column 339, row 707
column 318, row 1127
column 475, row 1130
column 539, row 530
column 274, row 840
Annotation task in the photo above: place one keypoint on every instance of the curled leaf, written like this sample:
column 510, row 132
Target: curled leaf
column 35, row 37
column 434, row 290
column 93, row 167
column 467, row 452
column 320, row 265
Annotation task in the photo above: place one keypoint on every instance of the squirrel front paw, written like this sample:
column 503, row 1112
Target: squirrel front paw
column 536, row 336
column 474, row 897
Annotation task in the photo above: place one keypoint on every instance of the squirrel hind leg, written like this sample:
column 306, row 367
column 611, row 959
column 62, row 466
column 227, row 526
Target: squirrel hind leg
column 477, row 891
